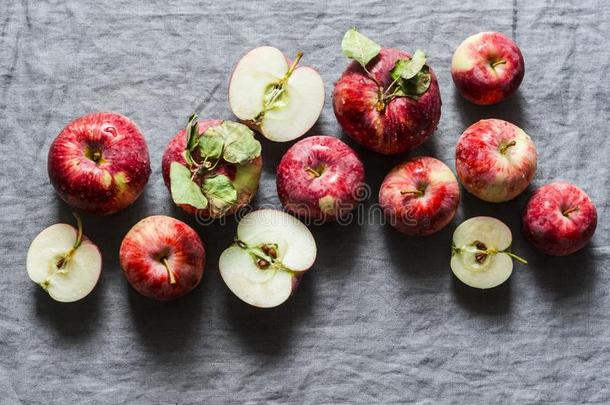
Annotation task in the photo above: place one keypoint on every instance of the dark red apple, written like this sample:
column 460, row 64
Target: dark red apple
column 420, row 196
column 244, row 177
column 99, row 163
column 487, row 67
column 559, row 219
column 162, row 258
column 385, row 125
column 319, row 178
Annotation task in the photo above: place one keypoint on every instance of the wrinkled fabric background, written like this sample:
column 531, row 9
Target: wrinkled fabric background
column 380, row 318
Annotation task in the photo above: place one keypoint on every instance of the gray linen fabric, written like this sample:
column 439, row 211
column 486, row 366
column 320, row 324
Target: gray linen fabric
column 380, row 318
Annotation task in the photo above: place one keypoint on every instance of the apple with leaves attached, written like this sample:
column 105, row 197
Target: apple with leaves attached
column 559, row 219
column 480, row 252
column 319, row 178
column 275, row 96
column 495, row 160
column 64, row 262
column 487, row 68
column 162, row 258
column 99, row 163
column 420, row 197
column 213, row 167
column 272, row 251
column 387, row 99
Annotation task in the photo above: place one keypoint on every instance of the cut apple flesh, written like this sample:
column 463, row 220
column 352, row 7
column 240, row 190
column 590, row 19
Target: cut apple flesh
column 260, row 288
column 272, row 248
column 468, row 262
column 263, row 71
column 65, row 272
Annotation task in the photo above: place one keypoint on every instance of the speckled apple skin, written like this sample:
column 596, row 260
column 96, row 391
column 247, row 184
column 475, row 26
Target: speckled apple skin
column 328, row 197
column 110, row 185
column 476, row 79
column 245, row 190
column 420, row 215
column 148, row 239
column 403, row 125
column 552, row 232
column 489, row 174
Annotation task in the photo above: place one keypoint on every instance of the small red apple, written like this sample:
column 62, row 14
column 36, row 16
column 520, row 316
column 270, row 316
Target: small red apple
column 223, row 170
column 559, row 219
column 487, row 67
column 319, row 177
column 99, row 163
column 163, row 258
column 495, row 160
column 389, row 101
column 420, row 196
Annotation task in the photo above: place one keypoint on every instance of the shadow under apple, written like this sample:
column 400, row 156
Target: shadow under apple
column 70, row 319
column 510, row 110
column 167, row 328
column 493, row 301
column 268, row 331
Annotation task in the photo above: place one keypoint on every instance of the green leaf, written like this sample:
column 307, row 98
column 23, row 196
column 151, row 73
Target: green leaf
column 192, row 132
column 408, row 68
column 210, row 144
column 188, row 158
column 220, row 191
column 183, row 189
column 358, row 47
column 417, row 85
column 240, row 144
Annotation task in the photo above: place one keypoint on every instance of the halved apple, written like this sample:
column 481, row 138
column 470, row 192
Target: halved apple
column 64, row 262
column 271, row 252
column 480, row 256
column 279, row 99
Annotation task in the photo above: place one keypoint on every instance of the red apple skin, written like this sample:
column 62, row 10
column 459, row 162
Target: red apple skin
column 473, row 74
column 486, row 171
column 112, row 183
column 415, row 214
column 245, row 190
column 151, row 239
column 404, row 123
column 328, row 197
column 559, row 219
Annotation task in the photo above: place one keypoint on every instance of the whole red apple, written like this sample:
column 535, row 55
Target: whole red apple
column 487, row 67
column 383, row 107
column 559, row 219
column 162, row 258
column 319, row 178
column 420, row 196
column 222, row 186
column 495, row 160
column 99, row 163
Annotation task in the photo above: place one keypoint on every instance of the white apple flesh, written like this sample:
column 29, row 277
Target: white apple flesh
column 65, row 263
column 479, row 254
column 272, row 251
column 297, row 93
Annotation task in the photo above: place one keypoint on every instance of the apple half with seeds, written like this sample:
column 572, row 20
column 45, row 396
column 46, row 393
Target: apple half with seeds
column 64, row 262
column 275, row 96
column 272, row 251
column 480, row 255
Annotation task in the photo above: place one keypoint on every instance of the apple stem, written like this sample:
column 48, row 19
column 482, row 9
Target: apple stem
column 416, row 192
column 569, row 211
column 170, row 273
column 293, row 66
column 497, row 63
column 504, row 148
column 517, row 258
column 313, row 172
